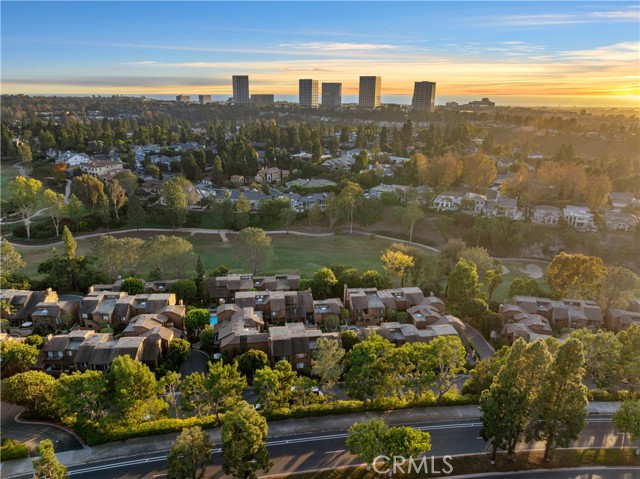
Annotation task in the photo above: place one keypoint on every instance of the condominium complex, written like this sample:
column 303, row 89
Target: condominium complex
column 183, row 98
column 369, row 96
column 308, row 93
column 240, row 89
column 204, row 99
column 424, row 96
column 331, row 95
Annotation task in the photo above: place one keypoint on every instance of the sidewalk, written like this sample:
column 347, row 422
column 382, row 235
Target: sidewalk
column 286, row 427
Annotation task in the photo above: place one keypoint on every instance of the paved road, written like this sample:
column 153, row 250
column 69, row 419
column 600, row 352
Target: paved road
column 327, row 450
column 483, row 346
column 32, row 434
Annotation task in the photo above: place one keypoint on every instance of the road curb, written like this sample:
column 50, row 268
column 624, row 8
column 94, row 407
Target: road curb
column 19, row 420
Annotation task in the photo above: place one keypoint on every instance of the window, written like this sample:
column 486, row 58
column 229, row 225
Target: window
column 300, row 365
column 105, row 317
column 301, row 355
column 69, row 353
column 59, row 354
column 85, row 316
column 50, row 354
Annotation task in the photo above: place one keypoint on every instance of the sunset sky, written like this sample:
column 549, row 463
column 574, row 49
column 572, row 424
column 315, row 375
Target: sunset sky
column 555, row 53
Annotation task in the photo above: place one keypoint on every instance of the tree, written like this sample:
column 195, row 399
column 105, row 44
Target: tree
column 244, row 434
column 597, row 192
column 76, row 210
column 334, row 209
column 287, row 216
column 411, row 214
column 273, row 385
column 602, row 356
column 463, row 283
column 57, row 208
column 396, row 263
column 481, row 258
column 194, row 395
column 224, row 386
column 132, row 286
column 630, row 354
column 251, row 361
column 117, row 195
column 406, row 442
column 575, row 275
column 116, row 254
column 190, row 454
column 169, row 253
column 133, row 388
column 627, row 419
column 170, row 385
column 196, row 320
column 185, row 290
column 243, row 208
column 349, row 339
column 17, row 357
column 506, row 405
column 618, row 287
column 327, row 362
column 135, row 212
column 10, row 259
column 449, row 358
column 152, row 170
column 349, row 195
column 80, row 396
column 443, row 171
column 373, row 279
column 47, row 466
column 129, row 181
column 478, row 170
column 523, row 286
column 492, row 278
column 367, row 376
column 366, row 440
column 176, row 201
column 323, row 282
column 88, row 189
column 25, row 193
column 254, row 248
column 559, row 412
column 24, row 153
column 31, row 389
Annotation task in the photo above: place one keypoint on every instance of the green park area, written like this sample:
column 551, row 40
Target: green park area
column 7, row 173
column 292, row 253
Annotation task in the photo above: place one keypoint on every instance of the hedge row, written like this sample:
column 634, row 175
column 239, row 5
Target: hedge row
column 13, row 450
column 602, row 395
column 95, row 434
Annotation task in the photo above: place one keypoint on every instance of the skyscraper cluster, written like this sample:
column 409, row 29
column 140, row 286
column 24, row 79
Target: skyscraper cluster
column 424, row 93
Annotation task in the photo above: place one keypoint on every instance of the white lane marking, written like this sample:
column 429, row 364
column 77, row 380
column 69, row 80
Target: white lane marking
column 335, row 452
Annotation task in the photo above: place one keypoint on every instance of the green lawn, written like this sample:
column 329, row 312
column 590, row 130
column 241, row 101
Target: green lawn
column 7, row 173
column 301, row 254
column 298, row 253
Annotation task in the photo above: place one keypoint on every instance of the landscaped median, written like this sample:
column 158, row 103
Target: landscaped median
column 479, row 463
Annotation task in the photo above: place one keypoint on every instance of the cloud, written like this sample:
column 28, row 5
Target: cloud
column 613, row 16
column 337, row 46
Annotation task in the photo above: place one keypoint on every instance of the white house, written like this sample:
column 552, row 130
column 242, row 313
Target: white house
column 617, row 221
column 102, row 168
column 579, row 217
column 447, row 201
column 545, row 215
column 73, row 159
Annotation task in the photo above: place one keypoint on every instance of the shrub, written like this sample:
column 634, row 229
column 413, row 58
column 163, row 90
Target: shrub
column 13, row 450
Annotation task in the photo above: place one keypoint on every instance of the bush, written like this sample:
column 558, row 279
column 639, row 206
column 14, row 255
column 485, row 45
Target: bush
column 40, row 230
column 94, row 434
column 600, row 395
column 13, row 450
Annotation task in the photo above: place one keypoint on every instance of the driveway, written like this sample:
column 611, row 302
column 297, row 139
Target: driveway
column 32, row 434
column 483, row 346
column 197, row 363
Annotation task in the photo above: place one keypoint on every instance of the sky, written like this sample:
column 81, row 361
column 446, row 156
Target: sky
column 530, row 53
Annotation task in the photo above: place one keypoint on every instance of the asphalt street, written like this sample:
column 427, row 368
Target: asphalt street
column 318, row 451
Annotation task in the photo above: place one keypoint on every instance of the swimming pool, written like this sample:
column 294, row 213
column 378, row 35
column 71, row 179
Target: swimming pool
column 213, row 320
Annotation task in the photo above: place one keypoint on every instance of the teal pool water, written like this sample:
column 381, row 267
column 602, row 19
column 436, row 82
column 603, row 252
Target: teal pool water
column 213, row 320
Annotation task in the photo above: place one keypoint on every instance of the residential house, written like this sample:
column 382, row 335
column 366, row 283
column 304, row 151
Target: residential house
column 617, row 221
column 59, row 352
column 97, row 309
column 401, row 299
column 580, row 217
column 311, row 183
column 23, row 303
column 565, row 313
column 158, row 332
column 545, row 215
column 617, row 320
column 300, row 203
column 294, row 342
column 278, row 306
column 102, row 169
column 621, row 200
column 85, row 351
column 502, row 206
column 240, row 329
column 365, row 306
column 73, row 159
column 400, row 334
column 55, row 315
column 447, row 201
column 322, row 308
column 271, row 175
column 225, row 287
column 400, row 191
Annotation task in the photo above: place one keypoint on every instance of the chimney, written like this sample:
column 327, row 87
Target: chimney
column 91, row 289
column 49, row 290
column 181, row 303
